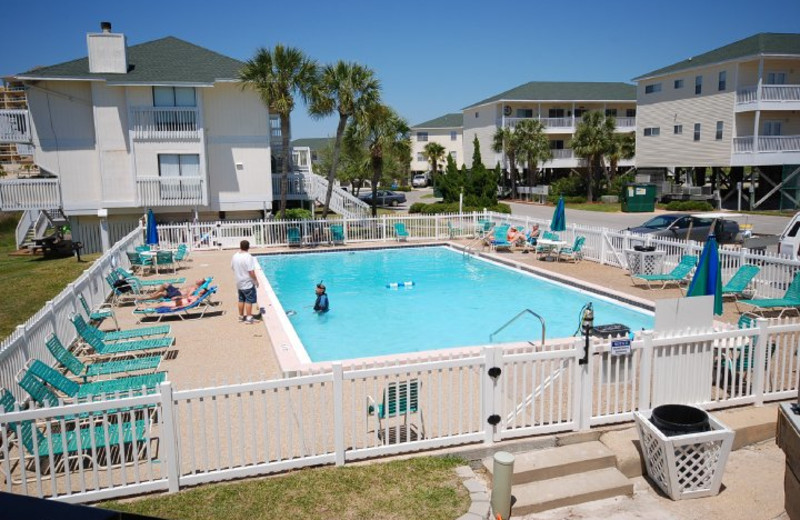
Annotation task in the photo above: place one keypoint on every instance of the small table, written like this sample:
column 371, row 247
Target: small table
column 550, row 248
column 645, row 262
column 153, row 255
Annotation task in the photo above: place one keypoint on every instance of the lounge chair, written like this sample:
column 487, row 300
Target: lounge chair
column 98, row 369
column 80, row 391
column 400, row 399
column 147, row 284
column 122, row 335
column 789, row 302
column 676, row 276
column 139, row 261
column 181, row 255
column 483, row 228
column 575, row 252
column 98, row 314
column 499, row 238
column 740, row 281
column 196, row 309
column 165, row 258
column 400, row 231
column 127, row 348
column 294, row 237
column 85, row 446
column 738, row 362
column 337, row 233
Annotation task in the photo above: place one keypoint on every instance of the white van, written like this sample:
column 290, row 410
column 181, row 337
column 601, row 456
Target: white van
column 789, row 241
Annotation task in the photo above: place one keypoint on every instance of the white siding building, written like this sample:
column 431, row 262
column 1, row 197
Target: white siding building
column 447, row 131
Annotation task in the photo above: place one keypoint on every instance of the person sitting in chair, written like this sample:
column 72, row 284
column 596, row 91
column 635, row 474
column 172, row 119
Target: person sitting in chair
column 178, row 302
column 170, row 292
column 322, row 304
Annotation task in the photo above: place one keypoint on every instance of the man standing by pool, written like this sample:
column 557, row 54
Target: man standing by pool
column 244, row 267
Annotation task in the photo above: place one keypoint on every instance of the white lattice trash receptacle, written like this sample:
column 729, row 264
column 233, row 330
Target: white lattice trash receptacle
column 689, row 465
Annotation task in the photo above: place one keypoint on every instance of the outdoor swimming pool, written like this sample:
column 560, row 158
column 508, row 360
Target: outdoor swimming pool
column 455, row 301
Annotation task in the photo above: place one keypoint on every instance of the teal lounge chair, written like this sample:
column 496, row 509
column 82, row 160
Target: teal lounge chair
column 81, row 391
column 575, row 252
column 337, row 233
column 98, row 314
column 95, row 370
column 181, row 255
column 165, row 259
column 146, row 284
column 138, row 261
column 483, row 228
column 400, row 399
column 499, row 238
column 294, row 237
column 400, row 231
column 128, row 292
column 740, row 281
column 677, row 276
column 128, row 348
column 123, row 335
column 196, row 309
column 789, row 302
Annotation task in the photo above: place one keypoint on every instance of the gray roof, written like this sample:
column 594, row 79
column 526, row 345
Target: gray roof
column 565, row 91
column 446, row 121
column 168, row 60
column 762, row 43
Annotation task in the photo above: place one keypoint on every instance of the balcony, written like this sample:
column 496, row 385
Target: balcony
column 568, row 124
column 772, row 97
column 297, row 189
column 25, row 194
column 164, row 123
column 768, row 149
column 171, row 191
column 14, row 126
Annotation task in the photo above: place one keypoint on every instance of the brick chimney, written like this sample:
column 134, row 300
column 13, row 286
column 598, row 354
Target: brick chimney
column 107, row 51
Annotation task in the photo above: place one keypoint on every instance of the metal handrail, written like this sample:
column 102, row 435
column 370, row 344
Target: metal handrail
column 515, row 318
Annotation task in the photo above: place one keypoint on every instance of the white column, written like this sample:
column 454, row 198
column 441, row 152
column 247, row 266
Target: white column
column 105, row 242
column 757, row 121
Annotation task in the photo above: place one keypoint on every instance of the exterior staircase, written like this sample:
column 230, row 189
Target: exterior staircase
column 564, row 476
column 37, row 225
column 342, row 201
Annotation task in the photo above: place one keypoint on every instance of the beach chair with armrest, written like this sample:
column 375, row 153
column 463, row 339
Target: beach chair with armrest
column 181, row 255
column 99, row 369
column 499, row 238
column 98, row 314
column 196, row 309
column 123, row 291
column 740, row 281
column 574, row 253
column 400, row 231
column 789, row 302
column 739, row 362
column 147, row 284
column 337, row 233
column 400, row 400
column 676, row 276
column 128, row 348
column 294, row 236
column 138, row 261
column 124, row 335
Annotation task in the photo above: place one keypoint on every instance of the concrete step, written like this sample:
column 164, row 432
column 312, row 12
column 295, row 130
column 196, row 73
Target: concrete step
column 535, row 497
column 558, row 462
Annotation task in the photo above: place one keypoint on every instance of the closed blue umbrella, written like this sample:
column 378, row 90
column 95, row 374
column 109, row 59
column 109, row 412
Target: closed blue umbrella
column 559, row 222
column 707, row 278
column 152, row 229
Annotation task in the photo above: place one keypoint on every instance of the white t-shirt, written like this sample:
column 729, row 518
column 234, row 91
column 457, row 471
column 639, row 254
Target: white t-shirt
column 242, row 263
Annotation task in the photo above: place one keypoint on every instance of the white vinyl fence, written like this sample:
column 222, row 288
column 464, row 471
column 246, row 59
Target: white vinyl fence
column 179, row 438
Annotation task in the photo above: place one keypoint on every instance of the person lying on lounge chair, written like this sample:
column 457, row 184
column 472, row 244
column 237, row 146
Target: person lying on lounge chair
column 175, row 303
column 168, row 291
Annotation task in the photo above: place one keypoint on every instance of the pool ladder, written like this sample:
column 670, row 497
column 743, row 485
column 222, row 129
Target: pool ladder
column 469, row 249
column 515, row 318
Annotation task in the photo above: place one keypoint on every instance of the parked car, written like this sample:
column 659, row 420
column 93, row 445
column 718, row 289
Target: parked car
column 686, row 226
column 420, row 180
column 384, row 197
column 789, row 241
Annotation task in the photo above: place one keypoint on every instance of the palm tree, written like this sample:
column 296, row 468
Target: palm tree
column 345, row 88
column 385, row 135
column 534, row 145
column 506, row 141
column 623, row 147
column 434, row 153
column 278, row 75
column 592, row 142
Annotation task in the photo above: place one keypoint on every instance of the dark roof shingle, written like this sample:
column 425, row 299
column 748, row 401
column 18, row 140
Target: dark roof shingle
column 167, row 60
column 762, row 43
column 445, row 121
column 565, row 91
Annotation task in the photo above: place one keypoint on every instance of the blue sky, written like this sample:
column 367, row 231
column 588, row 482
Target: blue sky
column 432, row 57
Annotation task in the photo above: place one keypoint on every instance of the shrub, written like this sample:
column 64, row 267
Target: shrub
column 577, row 199
column 689, row 205
column 452, row 207
column 297, row 214
column 570, row 186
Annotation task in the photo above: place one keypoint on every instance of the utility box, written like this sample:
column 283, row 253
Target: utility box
column 639, row 198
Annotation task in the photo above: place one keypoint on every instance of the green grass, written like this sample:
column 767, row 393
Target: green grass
column 29, row 282
column 596, row 206
column 424, row 487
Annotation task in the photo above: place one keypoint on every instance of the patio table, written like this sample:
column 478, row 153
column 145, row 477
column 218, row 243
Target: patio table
column 550, row 249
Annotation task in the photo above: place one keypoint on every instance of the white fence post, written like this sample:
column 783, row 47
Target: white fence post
column 170, row 438
column 603, row 246
column 645, row 370
column 584, row 390
column 338, row 412
column 760, row 361
column 492, row 398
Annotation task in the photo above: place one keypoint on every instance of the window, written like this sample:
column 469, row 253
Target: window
column 579, row 113
column 180, row 174
column 557, row 144
column 772, row 128
column 650, row 89
column 422, row 137
column 720, row 126
column 630, row 112
column 524, row 112
column 776, row 78
column 677, row 129
column 652, row 131
column 678, row 84
column 421, row 156
column 454, row 155
column 454, row 136
column 170, row 97
column 611, row 112
column 555, row 112
column 697, row 131
column 476, row 115
column 723, row 76
column 698, row 84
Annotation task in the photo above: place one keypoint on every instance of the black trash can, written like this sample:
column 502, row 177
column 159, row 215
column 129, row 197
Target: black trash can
column 679, row 419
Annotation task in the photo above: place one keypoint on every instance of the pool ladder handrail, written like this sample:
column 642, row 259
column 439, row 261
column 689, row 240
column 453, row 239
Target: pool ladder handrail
column 469, row 249
column 515, row 318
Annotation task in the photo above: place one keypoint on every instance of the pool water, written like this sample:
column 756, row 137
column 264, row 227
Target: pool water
column 455, row 301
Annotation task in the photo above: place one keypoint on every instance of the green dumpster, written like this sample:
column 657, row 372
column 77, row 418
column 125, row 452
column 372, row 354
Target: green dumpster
column 639, row 198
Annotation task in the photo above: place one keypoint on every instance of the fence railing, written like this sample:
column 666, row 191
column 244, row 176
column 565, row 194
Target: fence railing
column 187, row 437
column 171, row 191
column 165, row 123
column 14, row 126
column 24, row 194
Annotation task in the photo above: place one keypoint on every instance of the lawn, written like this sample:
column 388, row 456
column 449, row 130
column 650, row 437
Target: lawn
column 424, row 487
column 30, row 281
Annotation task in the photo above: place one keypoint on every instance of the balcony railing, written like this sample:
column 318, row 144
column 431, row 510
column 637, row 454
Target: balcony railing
column 626, row 122
column 562, row 154
column 14, row 126
column 769, row 93
column 158, row 123
column 767, row 143
column 171, row 191
column 566, row 122
column 24, row 194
